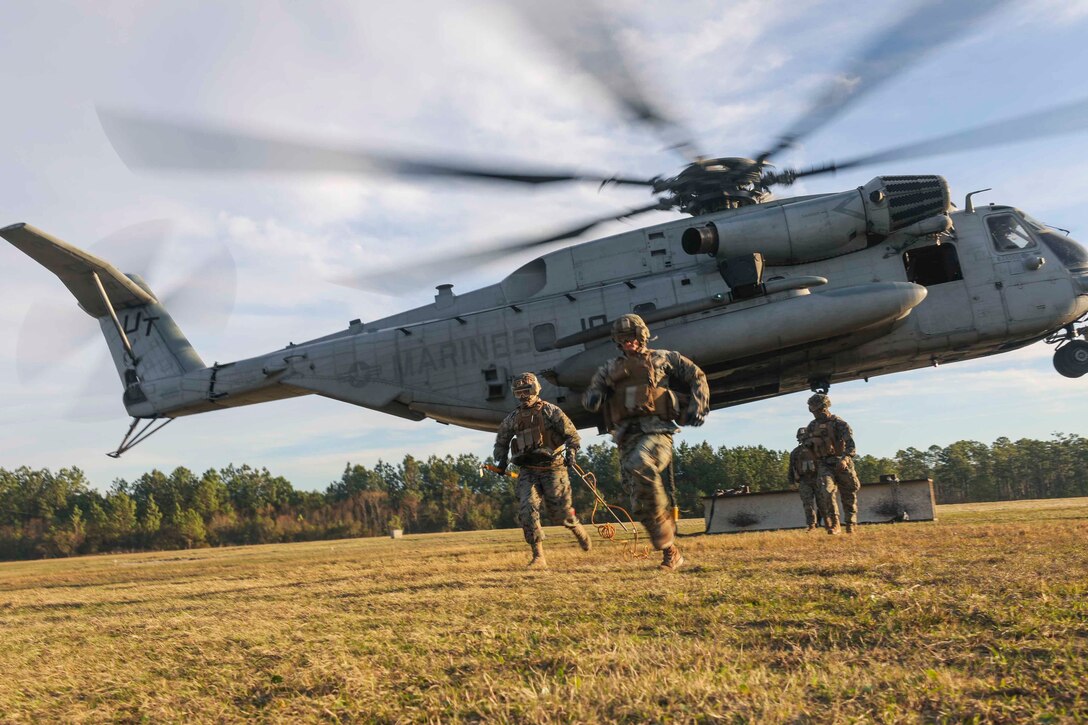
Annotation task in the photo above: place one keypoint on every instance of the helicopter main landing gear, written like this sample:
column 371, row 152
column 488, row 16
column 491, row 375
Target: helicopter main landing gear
column 1071, row 357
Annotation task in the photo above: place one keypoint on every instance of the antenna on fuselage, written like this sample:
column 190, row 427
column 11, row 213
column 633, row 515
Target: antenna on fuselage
column 969, row 206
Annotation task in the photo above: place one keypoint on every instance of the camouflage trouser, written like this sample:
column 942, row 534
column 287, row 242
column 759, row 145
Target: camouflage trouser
column 552, row 486
column 643, row 458
column 831, row 476
column 818, row 498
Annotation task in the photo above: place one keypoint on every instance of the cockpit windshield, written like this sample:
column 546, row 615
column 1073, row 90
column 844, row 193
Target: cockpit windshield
column 1065, row 248
column 1008, row 233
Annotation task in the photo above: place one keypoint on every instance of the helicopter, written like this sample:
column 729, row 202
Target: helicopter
column 769, row 295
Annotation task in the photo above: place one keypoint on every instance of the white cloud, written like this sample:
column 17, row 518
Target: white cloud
column 1051, row 12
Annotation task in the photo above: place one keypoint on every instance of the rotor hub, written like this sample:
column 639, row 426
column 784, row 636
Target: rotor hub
column 711, row 185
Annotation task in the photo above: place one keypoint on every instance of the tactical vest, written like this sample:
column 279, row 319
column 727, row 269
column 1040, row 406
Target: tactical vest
column 804, row 463
column 636, row 393
column 531, row 433
column 825, row 439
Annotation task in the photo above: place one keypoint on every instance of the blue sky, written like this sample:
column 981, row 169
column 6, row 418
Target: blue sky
column 462, row 79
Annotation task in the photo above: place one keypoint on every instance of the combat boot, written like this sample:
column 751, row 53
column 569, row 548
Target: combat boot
column 833, row 525
column 672, row 559
column 811, row 527
column 583, row 538
column 538, row 561
column 848, row 527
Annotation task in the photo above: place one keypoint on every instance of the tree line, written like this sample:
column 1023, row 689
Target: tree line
column 50, row 514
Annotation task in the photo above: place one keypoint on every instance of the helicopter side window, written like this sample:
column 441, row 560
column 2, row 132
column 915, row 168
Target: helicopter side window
column 544, row 337
column 495, row 382
column 1008, row 234
column 935, row 264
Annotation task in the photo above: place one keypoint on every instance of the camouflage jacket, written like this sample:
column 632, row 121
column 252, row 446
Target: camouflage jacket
column 799, row 471
column 670, row 365
column 558, row 425
column 841, row 436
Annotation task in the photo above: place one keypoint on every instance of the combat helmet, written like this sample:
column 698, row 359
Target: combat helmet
column 819, row 401
column 629, row 327
column 526, row 383
column 802, row 433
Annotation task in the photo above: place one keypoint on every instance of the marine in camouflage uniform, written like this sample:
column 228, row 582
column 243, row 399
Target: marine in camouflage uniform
column 833, row 444
column 641, row 413
column 816, row 497
column 544, row 442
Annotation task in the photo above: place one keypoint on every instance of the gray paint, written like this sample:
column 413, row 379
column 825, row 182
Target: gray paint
column 430, row 362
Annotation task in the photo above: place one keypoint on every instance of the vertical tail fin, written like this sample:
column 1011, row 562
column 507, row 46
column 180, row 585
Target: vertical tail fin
column 158, row 345
column 143, row 339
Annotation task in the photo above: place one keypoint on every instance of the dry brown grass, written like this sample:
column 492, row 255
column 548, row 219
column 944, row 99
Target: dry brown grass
column 982, row 615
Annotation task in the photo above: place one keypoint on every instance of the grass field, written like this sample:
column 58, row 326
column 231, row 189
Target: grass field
column 982, row 615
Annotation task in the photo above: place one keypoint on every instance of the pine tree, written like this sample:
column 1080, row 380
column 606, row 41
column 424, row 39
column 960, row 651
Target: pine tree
column 150, row 521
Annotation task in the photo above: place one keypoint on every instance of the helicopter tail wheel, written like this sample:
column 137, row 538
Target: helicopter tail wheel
column 1071, row 359
column 819, row 385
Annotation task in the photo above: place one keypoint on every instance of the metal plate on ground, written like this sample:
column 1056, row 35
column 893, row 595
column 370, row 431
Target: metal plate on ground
column 770, row 510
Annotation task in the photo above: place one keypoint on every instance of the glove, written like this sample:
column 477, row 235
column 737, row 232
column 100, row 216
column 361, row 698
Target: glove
column 500, row 468
column 570, row 457
column 693, row 416
column 591, row 401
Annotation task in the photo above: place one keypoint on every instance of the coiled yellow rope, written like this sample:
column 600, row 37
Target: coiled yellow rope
column 606, row 529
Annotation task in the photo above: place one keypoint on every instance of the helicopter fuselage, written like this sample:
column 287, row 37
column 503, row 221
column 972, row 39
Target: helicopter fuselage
column 916, row 297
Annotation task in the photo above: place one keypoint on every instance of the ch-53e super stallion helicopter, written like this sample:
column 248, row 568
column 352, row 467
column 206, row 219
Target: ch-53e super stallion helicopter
column 769, row 296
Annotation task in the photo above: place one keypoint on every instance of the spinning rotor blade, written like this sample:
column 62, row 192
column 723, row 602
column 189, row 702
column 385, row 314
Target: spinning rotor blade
column 148, row 143
column 1069, row 118
column 138, row 247
column 394, row 280
column 97, row 395
column 205, row 297
column 579, row 32
column 930, row 25
column 51, row 333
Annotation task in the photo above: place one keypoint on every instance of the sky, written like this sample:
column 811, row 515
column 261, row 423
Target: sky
column 462, row 80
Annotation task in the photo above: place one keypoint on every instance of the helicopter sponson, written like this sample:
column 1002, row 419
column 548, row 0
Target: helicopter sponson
column 807, row 229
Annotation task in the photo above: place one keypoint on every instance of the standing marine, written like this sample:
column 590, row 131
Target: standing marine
column 543, row 442
column 641, row 412
column 833, row 445
column 816, row 498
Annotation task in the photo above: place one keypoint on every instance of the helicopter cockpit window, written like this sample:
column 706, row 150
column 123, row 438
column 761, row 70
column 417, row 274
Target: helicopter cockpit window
column 1008, row 233
column 1068, row 251
column 935, row 264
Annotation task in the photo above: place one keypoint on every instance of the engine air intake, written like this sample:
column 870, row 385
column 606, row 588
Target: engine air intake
column 913, row 198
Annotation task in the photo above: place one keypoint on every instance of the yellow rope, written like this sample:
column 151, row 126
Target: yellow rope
column 606, row 529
